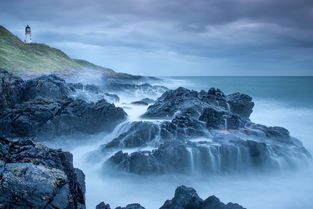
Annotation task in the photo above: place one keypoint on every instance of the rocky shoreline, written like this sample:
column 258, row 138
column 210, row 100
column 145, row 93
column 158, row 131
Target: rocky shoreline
column 183, row 131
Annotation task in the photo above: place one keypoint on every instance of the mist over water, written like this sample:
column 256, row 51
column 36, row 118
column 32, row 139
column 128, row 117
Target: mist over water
column 278, row 101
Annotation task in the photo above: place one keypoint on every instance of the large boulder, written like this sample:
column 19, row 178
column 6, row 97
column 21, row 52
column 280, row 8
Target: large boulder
column 12, row 89
column 241, row 104
column 35, row 176
column 174, row 101
column 131, row 206
column 47, row 86
column 102, row 205
column 187, row 198
column 54, row 117
column 184, row 101
column 46, row 106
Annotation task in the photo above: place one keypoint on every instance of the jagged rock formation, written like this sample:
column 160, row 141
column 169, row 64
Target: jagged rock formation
column 34, row 176
column 144, row 101
column 102, row 205
column 187, row 198
column 184, row 198
column 202, row 132
column 193, row 103
column 45, row 107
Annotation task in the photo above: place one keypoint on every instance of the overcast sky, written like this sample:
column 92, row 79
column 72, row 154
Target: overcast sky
column 174, row 37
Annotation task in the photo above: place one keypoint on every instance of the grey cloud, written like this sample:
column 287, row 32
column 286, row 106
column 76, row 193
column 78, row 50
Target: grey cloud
column 244, row 33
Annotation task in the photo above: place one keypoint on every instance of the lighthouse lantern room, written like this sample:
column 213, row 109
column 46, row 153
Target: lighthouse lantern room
column 28, row 35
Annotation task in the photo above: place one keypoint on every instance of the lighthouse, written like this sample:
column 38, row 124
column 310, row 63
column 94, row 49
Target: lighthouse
column 28, row 35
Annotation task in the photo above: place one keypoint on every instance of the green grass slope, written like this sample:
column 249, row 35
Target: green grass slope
column 16, row 56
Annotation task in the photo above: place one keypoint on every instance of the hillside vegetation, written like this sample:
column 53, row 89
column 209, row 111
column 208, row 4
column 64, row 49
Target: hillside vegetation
column 16, row 56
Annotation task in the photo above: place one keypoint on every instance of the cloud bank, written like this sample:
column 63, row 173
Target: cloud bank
column 177, row 37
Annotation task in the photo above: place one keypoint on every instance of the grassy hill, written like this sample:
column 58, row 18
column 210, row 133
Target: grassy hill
column 16, row 56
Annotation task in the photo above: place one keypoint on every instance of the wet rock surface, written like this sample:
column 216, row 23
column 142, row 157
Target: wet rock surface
column 34, row 176
column 136, row 88
column 191, row 102
column 184, row 198
column 201, row 132
column 11, row 89
column 144, row 101
column 102, row 205
column 45, row 107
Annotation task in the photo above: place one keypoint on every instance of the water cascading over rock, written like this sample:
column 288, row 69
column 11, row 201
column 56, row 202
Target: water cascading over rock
column 202, row 132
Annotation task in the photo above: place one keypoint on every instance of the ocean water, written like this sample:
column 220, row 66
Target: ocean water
column 279, row 101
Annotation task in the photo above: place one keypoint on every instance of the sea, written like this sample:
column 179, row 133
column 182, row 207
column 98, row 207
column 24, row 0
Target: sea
column 279, row 101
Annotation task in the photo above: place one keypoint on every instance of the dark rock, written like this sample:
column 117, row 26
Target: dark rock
column 12, row 89
column 221, row 119
column 92, row 88
column 44, row 117
column 226, row 154
column 34, row 176
column 241, row 104
column 113, row 97
column 102, row 205
column 132, row 206
column 273, row 131
column 172, row 156
column 145, row 133
column 213, row 202
column 174, row 101
column 42, row 107
column 184, row 198
column 145, row 101
column 148, row 100
column 140, row 133
column 46, row 86
column 187, row 198
column 140, row 103
column 193, row 103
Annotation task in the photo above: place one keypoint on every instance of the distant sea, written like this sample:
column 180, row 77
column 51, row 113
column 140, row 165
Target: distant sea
column 290, row 90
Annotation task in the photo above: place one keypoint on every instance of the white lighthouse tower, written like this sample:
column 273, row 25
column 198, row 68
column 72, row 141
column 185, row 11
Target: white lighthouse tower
column 28, row 35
